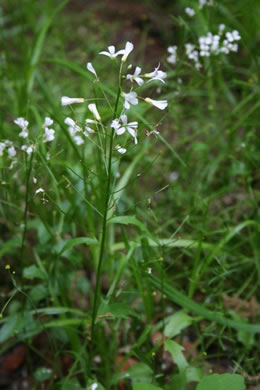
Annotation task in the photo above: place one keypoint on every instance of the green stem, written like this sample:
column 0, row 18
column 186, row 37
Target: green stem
column 26, row 204
column 104, row 229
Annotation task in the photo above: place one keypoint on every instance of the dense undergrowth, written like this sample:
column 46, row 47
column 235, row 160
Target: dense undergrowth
column 170, row 292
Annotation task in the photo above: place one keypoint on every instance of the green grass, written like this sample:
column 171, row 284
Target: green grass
column 184, row 203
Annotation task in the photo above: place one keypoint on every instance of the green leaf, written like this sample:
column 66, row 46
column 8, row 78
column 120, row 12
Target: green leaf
column 177, row 322
column 117, row 310
column 145, row 386
column 123, row 182
column 10, row 245
column 222, row 382
column 33, row 272
column 184, row 301
column 78, row 241
column 7, row 330
column 176, row 351
column 128, row 220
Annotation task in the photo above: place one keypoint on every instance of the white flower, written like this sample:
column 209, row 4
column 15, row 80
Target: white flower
column 24, row 133
column 221, row 28
column 91, row 69
column 202, row 3
column 47, row 122
column 94, row 386
column 130, row 98
column 39, row 190
column 190, row 11
column 35, row 180
column 21, row 122
column 131, row 127
column 49, row 135
column 156, row 75
column 65, row 100
column 28, row 149
column 135, row 77
column 173, row 54
column 161, row 104
column 128, row 48
column 115, row 125
column 88, row 131
column 2, row 148
column 91, row 121
column 233, row 36
column 120, row 149
column 11, row 151
column 78, row 140
column 73, row 127
column 112, row 52
column 70, row 122
column 93, row 108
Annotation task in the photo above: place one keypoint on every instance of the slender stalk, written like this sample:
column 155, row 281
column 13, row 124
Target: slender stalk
column 26, row 203
column 104, row 228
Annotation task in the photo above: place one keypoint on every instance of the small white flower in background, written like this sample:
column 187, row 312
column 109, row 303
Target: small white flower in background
column 24, row 133
column 47, row 122
column 120, row 149
column 39, row 190
column 172, row 50
column 2, row 148
column 174, row 176
column 161, row 104
column 128, row 48
column 94, row 386
column 66, row 101
column 91, row 69
column 35, row 180
column 135, row 77
column 112, row 52
column 28, row 149
column 11, row 152
column 202, row 3
column 233, row 36
column 156, row 75
column 221, row 28
column 149, row 270
column 192, row 54
column 190, row 11
column 78, row 140
column 93, row 108
column 130, row 98
column 49, row 135
column 21, row 122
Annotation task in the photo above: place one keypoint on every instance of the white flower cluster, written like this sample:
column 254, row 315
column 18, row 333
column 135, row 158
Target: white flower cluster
column 189, row 11
column 22, row 123
column 214, row 44
column 172, row 50
column 210, row 44
column 9, row 147
column 49, row 134
column 120, row 125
